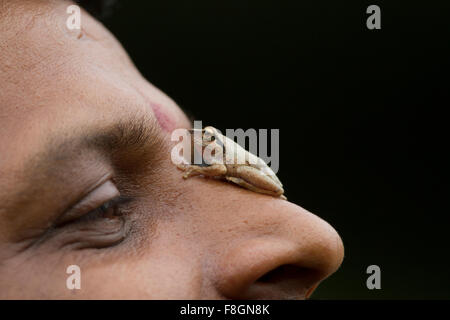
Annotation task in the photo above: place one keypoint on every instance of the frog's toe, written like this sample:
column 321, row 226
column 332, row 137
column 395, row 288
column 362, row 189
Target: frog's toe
column 182, row 166
column 188, row 173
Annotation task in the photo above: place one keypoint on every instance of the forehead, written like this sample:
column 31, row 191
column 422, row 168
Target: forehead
column 41, row 55
column 48, row 71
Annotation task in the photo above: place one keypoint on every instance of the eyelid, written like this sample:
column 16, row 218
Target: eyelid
column 97, row 197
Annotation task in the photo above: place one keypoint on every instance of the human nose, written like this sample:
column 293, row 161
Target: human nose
column 286, row 257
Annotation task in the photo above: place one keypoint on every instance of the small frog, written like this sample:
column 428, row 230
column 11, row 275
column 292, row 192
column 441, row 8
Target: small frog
column 231, row 162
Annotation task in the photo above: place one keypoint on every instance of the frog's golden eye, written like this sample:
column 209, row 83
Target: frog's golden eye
column 208, row 136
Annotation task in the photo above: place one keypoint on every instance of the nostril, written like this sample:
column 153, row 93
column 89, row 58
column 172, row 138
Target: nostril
column 290, row 273
column 291, row 281
column 288, row 264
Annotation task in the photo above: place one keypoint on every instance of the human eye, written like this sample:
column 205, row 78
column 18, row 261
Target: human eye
column 97, row 221
column 109, row 209
column 102, row 202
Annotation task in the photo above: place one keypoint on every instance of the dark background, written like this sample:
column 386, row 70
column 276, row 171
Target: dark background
column 361, row 113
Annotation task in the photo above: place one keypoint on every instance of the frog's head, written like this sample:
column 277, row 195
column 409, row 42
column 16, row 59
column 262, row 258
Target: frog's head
column 209, row 135
column 207, row 142
column 205, row 137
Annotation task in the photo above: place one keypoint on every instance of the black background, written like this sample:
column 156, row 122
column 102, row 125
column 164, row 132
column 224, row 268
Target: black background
column 361, row 113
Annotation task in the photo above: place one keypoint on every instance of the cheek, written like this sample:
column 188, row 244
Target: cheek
column 159, row 273
column 170, row 275
column 166, row 265
column 169, row 266
column 33, row 277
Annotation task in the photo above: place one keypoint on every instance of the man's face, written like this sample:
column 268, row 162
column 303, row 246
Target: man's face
column 86, row 179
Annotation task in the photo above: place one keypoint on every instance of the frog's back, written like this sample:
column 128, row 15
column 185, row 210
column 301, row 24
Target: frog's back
column 238, row 156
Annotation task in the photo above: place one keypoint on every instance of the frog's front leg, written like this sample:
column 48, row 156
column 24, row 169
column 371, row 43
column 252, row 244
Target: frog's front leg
column 214, row 170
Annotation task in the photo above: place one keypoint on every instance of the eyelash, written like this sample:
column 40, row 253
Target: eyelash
column 114, row 204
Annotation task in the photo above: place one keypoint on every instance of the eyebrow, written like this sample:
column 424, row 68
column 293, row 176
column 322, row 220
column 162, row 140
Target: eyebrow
column 132, row 135
column 136, row 140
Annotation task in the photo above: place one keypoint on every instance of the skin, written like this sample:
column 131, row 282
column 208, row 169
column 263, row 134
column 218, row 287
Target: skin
column 78, row 126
